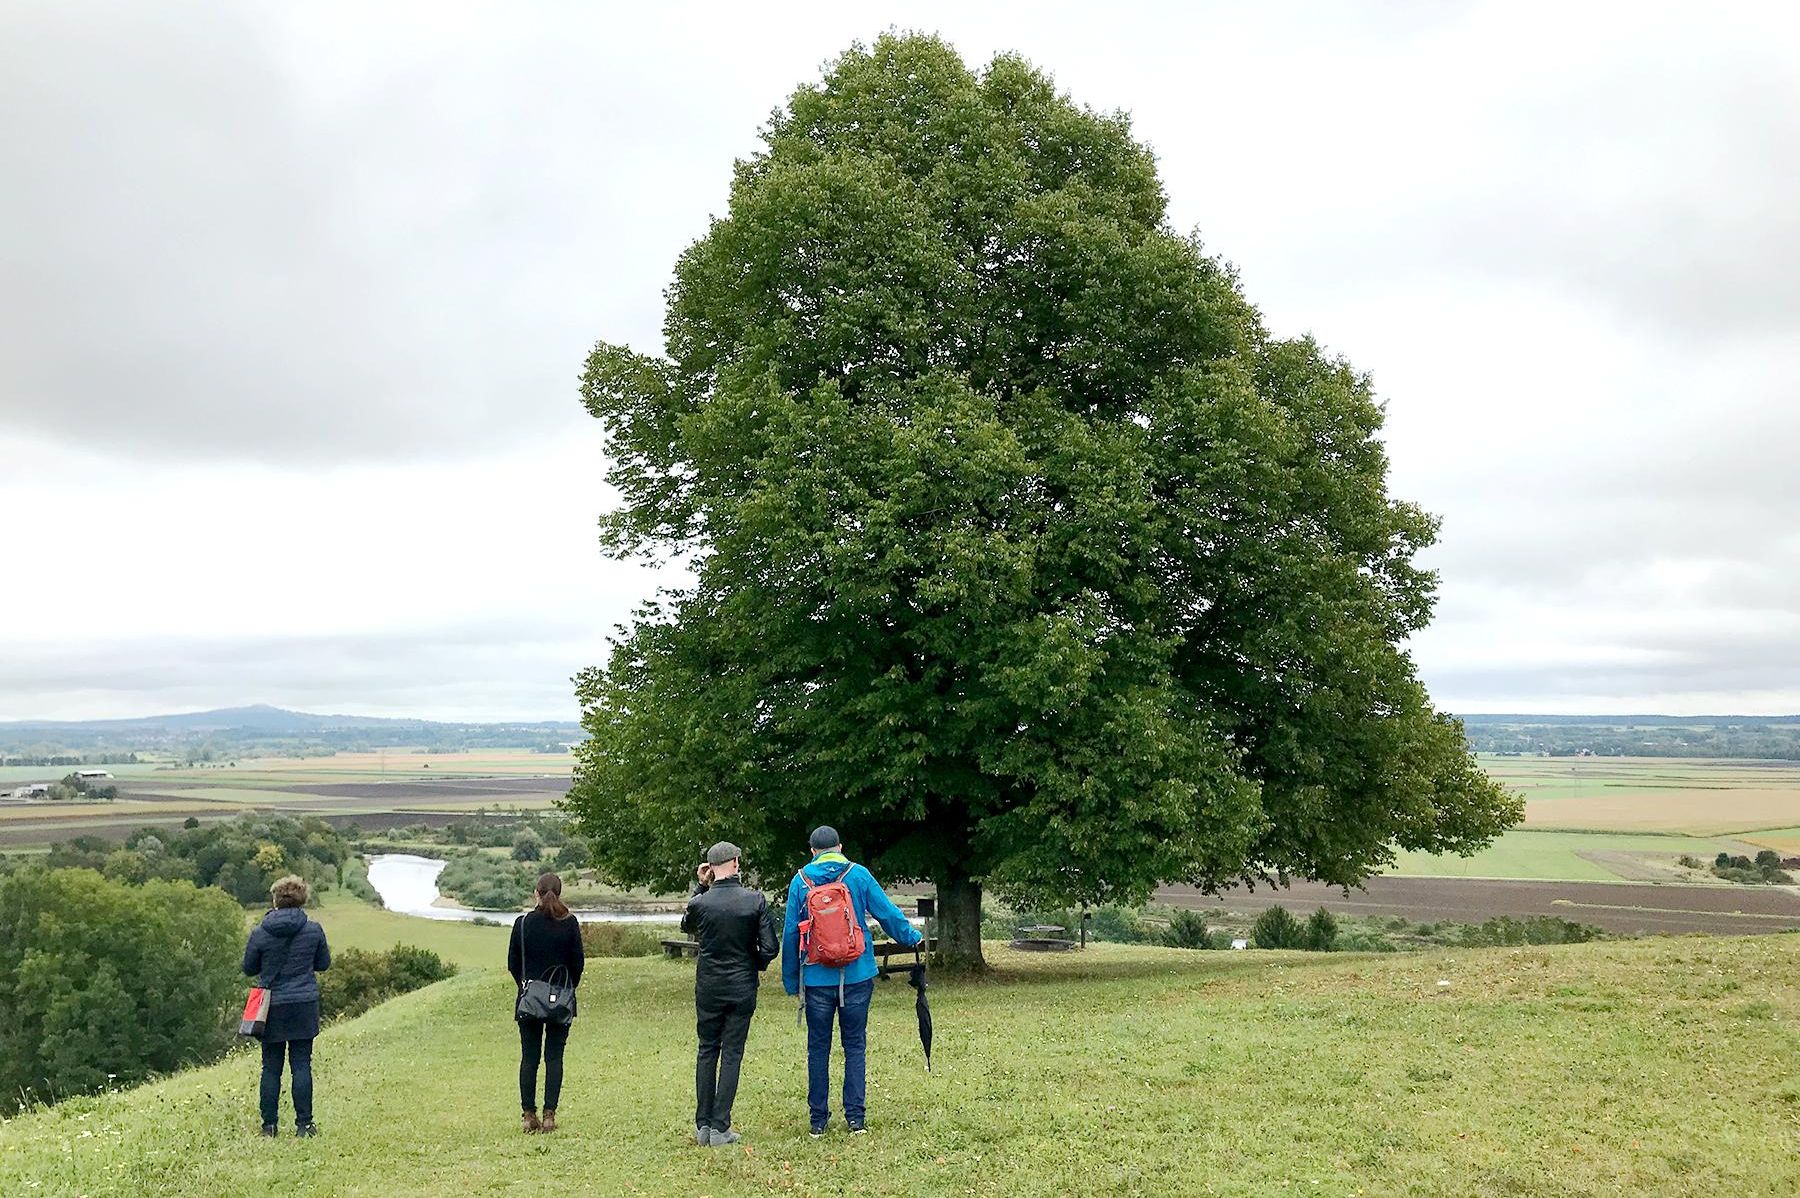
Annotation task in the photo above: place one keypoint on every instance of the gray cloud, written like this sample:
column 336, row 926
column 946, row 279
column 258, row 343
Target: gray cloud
column 376, row 242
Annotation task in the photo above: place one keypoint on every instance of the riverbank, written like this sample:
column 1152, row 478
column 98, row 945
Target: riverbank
column 407, row 884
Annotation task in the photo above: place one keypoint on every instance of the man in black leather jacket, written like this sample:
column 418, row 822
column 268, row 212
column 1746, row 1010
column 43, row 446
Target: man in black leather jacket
column 737, row 942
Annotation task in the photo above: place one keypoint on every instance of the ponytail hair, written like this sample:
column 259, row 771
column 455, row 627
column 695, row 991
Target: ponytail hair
column 549, row 897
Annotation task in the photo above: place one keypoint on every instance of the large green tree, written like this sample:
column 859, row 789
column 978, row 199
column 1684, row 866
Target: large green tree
column 1019, row 550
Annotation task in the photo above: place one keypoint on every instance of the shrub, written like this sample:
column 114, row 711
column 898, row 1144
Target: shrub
column 1276, row 928
column 1538, row 929
column 601, row 939
column 1321, row 932
column 1119, row 925
column 527, row 846
column 359, row 979
column 571, row 857
column 103, row 981
column 1689, row 861
column 487, row 882
column 1187, row 929
column 1365, row 942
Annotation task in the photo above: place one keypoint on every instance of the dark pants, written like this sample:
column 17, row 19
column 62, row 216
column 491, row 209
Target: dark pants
column 537, row 1037
column 723, row 1027
column 853, row 1024
column 299, row 1054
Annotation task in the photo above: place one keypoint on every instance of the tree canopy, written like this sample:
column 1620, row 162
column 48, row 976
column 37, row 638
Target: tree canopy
column 1019, row 549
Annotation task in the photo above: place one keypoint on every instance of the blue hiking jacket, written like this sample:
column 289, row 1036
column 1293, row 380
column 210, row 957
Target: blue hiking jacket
column 866, row 898
column 285, row 951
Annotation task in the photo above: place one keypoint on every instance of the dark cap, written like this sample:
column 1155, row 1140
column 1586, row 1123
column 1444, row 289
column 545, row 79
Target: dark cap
column 722, row 852
column 824, row 837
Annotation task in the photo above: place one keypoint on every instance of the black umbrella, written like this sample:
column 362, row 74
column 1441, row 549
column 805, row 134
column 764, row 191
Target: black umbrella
column 917, row 982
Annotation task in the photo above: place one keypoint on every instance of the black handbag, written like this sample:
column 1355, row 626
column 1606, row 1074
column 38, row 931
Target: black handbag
column 548, row 1000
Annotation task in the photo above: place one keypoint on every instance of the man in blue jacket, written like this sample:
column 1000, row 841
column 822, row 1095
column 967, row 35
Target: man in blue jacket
column 844, row 992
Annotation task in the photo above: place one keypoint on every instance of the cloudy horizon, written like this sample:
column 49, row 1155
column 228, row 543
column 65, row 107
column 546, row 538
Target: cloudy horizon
column 296, row 297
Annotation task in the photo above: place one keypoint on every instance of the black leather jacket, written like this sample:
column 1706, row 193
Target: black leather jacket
column 737, row 939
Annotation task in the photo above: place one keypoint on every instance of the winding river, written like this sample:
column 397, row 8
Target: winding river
column 408, row 886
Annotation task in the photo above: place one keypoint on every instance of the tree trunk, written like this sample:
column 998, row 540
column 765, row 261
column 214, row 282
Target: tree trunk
column 958, row 927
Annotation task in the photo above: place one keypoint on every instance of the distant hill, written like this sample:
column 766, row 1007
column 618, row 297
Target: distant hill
column 236, row 730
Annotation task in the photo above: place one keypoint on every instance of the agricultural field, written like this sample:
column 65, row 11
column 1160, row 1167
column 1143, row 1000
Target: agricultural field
column 1627, row 819
column 375, row 789
column 1649, row 1068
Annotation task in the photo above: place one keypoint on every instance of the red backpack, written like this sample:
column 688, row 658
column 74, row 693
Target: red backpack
column 830, row 934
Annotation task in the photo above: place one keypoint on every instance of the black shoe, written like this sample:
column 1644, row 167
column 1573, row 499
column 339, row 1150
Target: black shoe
column 857, row 1129
column 817, row 1132
column 307, row 1129
column 270, row 1130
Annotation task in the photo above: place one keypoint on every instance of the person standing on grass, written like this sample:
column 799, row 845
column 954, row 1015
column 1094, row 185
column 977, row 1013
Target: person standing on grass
column 546, row 942
column 841, row 991
column 737, row 941
column 286, row 953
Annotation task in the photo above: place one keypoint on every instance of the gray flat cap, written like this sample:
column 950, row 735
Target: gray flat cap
column 722, row 852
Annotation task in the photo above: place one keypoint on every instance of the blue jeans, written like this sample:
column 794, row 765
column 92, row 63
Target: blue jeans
column 298, row 1054
column 853, row 1022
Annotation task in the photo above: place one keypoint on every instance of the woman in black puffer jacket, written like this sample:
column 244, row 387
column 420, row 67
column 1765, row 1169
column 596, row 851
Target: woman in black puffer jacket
column 285, row 952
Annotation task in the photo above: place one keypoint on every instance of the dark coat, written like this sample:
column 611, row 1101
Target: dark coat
column 285, row 953
column 737, row 940
column 540, row 944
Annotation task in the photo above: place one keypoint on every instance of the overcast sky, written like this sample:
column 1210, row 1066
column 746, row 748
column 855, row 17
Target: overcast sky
column 293, row 299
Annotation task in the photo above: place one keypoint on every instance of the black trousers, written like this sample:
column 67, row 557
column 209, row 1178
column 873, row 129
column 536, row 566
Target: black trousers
column 537, row 1037
column 298, row 1053
column 723, row 1026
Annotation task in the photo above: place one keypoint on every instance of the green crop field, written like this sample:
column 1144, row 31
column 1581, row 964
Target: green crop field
column 1651, row 1068
column 1567, row 856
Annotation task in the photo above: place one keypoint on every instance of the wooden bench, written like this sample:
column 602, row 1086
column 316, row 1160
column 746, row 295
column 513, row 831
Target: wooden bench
column 884, row 950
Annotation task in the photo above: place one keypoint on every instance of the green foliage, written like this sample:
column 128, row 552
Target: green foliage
column 1021, row 551
column 242, row 857
column 1276, row 928
column 1535, row 929
column 104, row 982
column 571, row 857
column 359, row 979
column 1764, row 870
column 1187, row 929
column 527, row 845
column 601, row 939
column 487, row 882
column 1321, row 932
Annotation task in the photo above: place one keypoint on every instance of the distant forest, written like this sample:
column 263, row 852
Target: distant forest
column 1772, row 738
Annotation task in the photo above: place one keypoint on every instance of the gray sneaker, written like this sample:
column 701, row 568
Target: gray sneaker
column 703, row 1136
column 720, row 1139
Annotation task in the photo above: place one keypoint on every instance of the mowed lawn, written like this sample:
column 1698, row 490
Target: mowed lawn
column 1646, row 1068
column 1540, row 854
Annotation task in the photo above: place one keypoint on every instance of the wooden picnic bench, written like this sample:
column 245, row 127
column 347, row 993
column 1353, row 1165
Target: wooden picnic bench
column 885, row 950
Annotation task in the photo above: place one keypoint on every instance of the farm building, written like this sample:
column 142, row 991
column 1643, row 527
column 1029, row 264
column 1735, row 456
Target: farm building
column 94, row 775
column 35, row 790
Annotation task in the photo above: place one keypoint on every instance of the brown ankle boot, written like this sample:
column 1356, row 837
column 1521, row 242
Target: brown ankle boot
column 530, row 1121
column 549, row 1124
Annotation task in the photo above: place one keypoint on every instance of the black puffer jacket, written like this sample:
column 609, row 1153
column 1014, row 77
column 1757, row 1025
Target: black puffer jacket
column 737, row 939
column 284, row 952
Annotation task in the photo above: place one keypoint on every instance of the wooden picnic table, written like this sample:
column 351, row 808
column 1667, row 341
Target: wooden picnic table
column 676, row 948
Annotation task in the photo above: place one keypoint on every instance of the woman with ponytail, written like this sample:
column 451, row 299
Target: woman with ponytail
column 545, row 947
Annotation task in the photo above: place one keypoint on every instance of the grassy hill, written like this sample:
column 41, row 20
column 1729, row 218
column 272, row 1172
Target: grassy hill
column 1661, row 1067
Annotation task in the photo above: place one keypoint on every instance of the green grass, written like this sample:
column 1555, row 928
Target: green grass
column 1649, row 1068
column 1553, row 855
column 351, row 923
